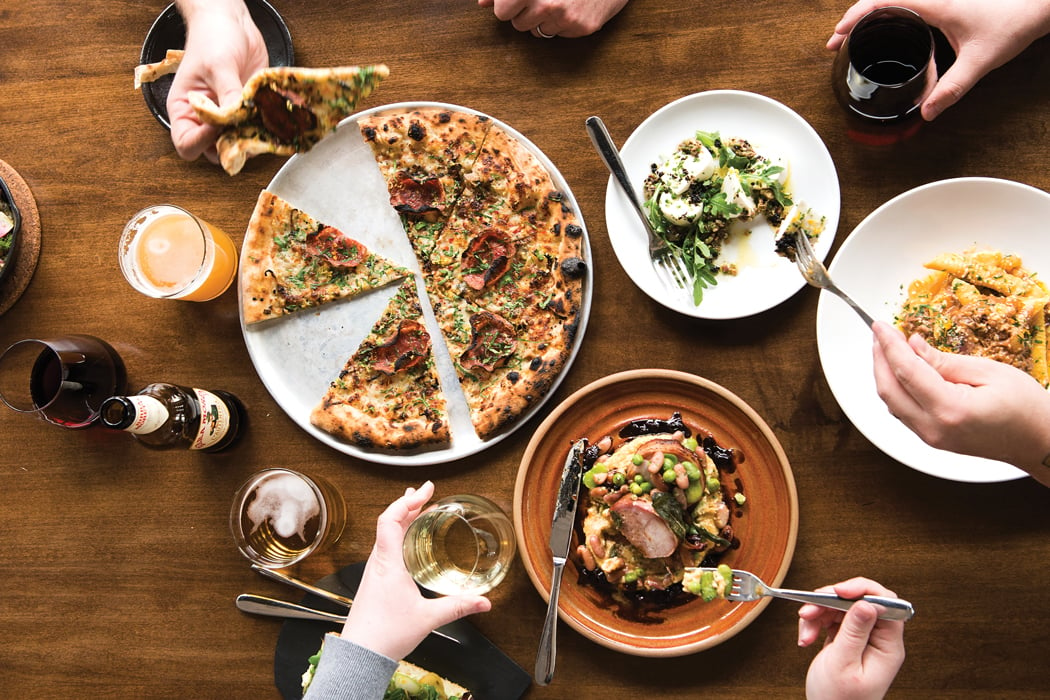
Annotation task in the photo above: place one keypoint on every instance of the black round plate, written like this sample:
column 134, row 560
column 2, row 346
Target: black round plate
column 169, row 32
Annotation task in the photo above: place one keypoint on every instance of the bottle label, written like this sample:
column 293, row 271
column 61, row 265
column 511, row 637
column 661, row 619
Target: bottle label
column 215, row 420
column 150, row 414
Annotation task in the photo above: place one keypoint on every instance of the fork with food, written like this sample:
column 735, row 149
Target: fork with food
column 744, row 586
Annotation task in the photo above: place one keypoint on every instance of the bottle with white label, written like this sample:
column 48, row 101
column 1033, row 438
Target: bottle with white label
column 167, row 416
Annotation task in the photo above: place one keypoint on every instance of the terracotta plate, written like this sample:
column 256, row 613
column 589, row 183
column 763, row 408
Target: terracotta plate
column 766, row 525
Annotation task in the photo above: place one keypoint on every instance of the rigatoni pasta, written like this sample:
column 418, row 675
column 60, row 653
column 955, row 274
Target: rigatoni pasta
column 982, row 303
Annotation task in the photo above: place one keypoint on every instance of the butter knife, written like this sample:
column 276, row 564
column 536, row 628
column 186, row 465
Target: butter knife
column 560, row 541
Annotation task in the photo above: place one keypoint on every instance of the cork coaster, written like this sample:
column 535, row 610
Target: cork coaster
column 28, row 252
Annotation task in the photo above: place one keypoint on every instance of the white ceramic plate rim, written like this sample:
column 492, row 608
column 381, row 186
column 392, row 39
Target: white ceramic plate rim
column 876, row 263
column 298, row 355
column 765, row 279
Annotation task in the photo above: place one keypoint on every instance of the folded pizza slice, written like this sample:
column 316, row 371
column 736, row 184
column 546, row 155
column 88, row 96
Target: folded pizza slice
column 388, row 395
column 285, row 110
column 291, row 261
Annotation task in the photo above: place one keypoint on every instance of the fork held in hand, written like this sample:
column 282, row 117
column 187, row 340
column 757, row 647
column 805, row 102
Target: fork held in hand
column 748, row 587
column 817, row 275
column 667, row 265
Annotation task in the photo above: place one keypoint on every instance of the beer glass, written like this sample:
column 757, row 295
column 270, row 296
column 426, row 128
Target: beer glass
column 63, row 380
column 279, row 517
column 460, row 544
column 882, row 73
column 168, row 253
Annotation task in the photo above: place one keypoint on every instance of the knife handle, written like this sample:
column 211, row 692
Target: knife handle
column 549, row 637
column 261, row 605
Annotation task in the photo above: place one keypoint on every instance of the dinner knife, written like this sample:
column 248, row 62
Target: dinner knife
column 560, row 541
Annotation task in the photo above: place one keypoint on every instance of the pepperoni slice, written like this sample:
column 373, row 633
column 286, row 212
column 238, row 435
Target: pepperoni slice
column 413, row 196
column 492, row 342
column 284, row 114
column 487, row 258
column 336, row 247
column 407, row 349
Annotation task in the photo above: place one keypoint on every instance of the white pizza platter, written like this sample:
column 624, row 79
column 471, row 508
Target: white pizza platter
column 297, row 356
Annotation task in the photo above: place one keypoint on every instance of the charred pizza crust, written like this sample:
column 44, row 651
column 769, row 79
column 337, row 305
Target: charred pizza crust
column 285, row 110
column 291, row 261
column 388, row 394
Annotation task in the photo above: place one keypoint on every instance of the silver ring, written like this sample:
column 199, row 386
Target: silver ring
column 543, row 34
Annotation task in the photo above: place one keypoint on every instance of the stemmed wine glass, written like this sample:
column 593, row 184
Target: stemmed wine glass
column 882, row 73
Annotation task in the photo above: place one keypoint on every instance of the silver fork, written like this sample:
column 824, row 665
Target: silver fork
column 817, row 275
column 748, row 587
column 667, row 265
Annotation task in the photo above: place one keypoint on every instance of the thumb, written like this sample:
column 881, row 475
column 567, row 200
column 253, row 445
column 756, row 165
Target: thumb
column 955, row 83
column 957, row 369
column 442, row 611
column 855, row 630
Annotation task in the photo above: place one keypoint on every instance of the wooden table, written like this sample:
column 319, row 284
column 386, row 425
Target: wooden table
column 119, row 572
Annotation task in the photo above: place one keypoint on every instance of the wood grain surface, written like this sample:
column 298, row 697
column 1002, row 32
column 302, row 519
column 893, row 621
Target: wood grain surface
column 119, row 572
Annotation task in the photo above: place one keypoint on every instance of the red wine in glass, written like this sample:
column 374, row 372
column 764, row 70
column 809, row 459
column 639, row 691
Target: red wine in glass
column 63, row 380
column 883, row 72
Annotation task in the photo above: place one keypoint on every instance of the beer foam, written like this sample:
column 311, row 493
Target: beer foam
column 287, row 502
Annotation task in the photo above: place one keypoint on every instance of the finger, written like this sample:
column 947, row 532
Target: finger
column 442, row 611
column 959, row 369
column 897, row 399
column 191, row 138
column 859, row 587
column 852, row 637
column 507, row 9
column 955, row 83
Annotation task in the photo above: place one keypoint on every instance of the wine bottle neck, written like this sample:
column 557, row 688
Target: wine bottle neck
column 137, row 414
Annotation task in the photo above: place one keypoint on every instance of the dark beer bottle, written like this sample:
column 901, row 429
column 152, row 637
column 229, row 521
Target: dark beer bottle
column 167, row 416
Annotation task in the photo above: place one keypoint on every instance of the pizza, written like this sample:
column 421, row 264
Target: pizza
column 388, row 394
column 499, row 251
column 285, row 110
column 149, row 72
column 291, row 261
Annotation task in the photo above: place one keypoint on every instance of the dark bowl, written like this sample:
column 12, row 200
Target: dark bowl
column 10, row 257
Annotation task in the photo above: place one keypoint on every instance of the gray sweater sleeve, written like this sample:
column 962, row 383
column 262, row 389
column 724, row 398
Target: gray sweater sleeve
column 347, row 671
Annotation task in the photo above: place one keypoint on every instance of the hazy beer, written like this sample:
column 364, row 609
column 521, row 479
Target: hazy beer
column 280, row 516
column 167, row 252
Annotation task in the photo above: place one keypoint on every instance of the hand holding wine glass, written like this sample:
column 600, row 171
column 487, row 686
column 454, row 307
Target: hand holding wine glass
column 983, row 35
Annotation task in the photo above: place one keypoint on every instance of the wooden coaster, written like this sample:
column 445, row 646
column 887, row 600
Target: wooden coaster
column 28, row 252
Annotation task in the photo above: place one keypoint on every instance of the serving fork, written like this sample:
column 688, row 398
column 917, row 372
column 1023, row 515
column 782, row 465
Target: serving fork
column 747, row 587
column 816, row 274
column 669, row 266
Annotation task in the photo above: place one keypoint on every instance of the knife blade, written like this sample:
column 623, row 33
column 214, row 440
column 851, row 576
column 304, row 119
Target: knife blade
column 560, row 541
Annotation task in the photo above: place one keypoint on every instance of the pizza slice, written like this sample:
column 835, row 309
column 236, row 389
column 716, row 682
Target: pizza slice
column 285, row 110
column 292, row 262
column 520, row 265
column 503, row 367
column 423, row 155
column 388, row 394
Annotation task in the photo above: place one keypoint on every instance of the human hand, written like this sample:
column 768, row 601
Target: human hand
column 565, row 18
column 971, row 405
column 985, row 35
column 389, row 615
column 861, row 654
column 223, row 49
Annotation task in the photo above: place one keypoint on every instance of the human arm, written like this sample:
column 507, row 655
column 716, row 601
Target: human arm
column 984, row 35
column 223, row 49
column 390, row 615
column 861, row 654
column 565, row 18
column 970, row 405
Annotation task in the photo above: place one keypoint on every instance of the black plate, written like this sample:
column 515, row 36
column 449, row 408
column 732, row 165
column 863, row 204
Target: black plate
column 169, row 32
column 475, row 663
column 11, row 256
